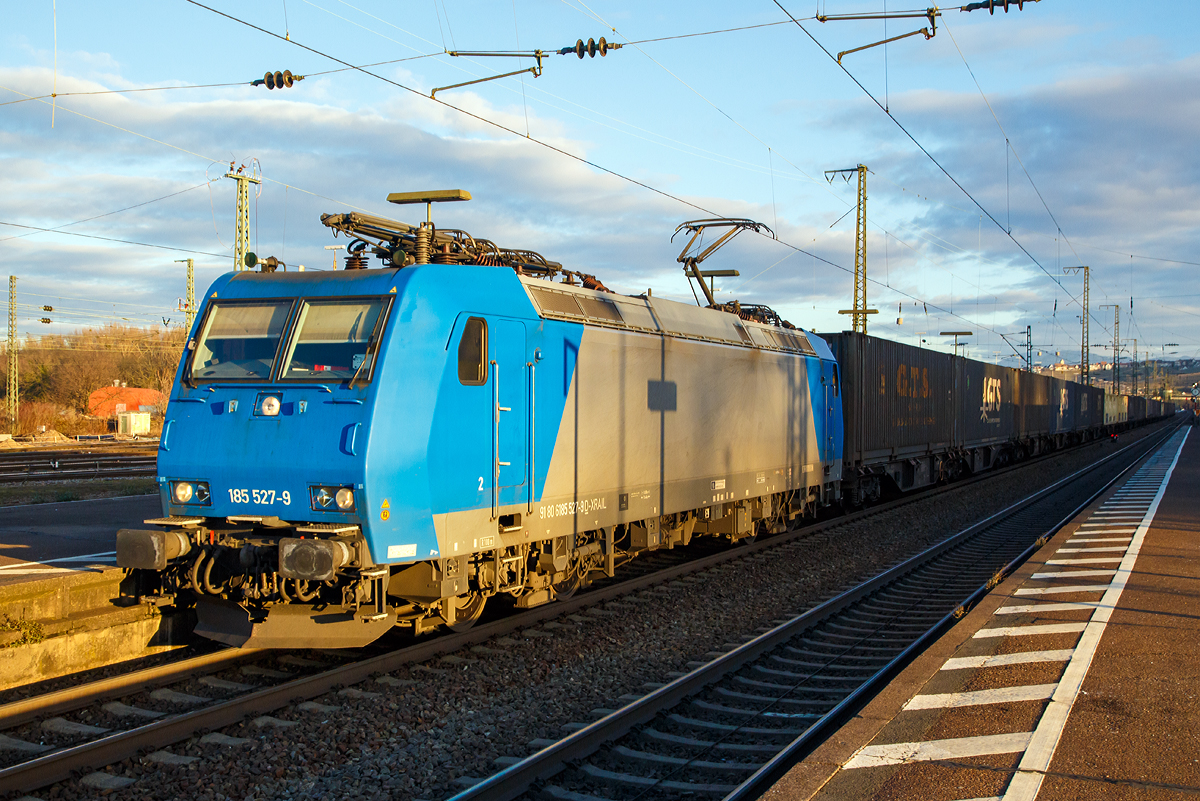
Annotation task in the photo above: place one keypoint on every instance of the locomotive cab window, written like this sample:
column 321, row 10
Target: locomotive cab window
column 837, row 390
column 472, row 353
column 335, row 340
column 239, row 341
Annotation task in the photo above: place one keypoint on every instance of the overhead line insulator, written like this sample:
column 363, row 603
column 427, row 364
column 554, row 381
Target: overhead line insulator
column 991, row 5
column 591, row 48
column 278, row 80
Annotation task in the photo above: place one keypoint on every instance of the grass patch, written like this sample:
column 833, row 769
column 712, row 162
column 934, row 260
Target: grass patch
column 30, row 630
column 62, row 491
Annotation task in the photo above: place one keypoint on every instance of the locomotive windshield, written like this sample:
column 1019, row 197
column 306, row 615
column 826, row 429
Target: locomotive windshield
column 334, row 339
column 240, row 340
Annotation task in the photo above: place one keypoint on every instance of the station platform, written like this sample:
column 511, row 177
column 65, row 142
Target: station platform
column 49, row 539
column 1076, row 678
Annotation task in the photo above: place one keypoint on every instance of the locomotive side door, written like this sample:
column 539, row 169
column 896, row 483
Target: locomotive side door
column 830, row 378
column 510, row 411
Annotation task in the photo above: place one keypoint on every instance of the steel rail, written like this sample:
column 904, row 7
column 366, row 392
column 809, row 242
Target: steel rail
column 774, row 770
column 76, row 466
column 519, row 778
column 16, row 713
column 60, row 765
column 14, row 457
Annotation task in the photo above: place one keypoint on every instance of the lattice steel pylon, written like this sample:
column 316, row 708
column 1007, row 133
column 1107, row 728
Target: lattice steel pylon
column 189, row 303
column 1085, row 361
column 1116, row 365
column 860, row 311
column 191, row 295
column 241, row 230
column 10, row 398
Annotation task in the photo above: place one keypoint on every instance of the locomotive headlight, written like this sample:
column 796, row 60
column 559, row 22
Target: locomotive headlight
column 191, row 492
column 269, row 406
column 332, row 499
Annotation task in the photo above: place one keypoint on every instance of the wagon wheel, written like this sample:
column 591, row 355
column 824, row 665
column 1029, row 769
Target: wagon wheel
column 468, row 609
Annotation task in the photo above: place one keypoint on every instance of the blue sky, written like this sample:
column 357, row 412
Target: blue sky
column 1098, row 105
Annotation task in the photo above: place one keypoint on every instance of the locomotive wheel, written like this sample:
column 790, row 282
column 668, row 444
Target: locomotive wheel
column 565, row 589
column 468, row 609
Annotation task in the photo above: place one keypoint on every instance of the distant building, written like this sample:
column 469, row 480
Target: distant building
column 111, row 401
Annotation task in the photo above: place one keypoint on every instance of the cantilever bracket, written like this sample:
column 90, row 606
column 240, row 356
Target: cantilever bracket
column 930, row 14
column 536, row 70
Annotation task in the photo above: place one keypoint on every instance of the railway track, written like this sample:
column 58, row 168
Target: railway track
column 732, row 727
column 226, row 687
column 59, row 465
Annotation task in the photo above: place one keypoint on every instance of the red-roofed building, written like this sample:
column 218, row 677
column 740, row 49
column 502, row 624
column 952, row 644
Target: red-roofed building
column 111, row 401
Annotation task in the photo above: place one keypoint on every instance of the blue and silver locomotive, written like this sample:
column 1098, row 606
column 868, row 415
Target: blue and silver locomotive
column 392, row 445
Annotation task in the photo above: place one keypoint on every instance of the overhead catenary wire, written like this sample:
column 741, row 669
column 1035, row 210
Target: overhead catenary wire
column 658, row 137
column 559, row 150
column 923, row 149
column 111, row 239
column 587, row 10
column 348, row 68
column 191, row 152
column 200, row 85
column 106, row 214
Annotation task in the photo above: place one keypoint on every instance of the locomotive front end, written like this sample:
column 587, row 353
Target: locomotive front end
column 261, row 465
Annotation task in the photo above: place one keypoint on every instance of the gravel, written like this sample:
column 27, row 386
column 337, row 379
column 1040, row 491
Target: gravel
column 417, row 733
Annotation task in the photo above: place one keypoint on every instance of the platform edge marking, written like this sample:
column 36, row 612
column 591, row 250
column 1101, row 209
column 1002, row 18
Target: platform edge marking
column 999, row 660
column 1057, row 590
column 998, row 695
column 873, row 756
column 1027, row 781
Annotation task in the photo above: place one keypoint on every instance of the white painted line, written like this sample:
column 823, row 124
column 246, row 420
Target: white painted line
column 999, row 660
column 1026, row 631
column 1027, row 781
column 1000, row 695
column 1100, row 539
column 82, row 558
column 37, row 571
column 21, row 568
column 1072, row 574
column 1056, row 590
column 1025, row 609
column 873, row 756
column 1091, row 560
column 1131, row 527
column 1109, row 548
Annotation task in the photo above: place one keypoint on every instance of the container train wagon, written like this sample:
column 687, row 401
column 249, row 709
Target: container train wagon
column 914, row 417
column 347, row 452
